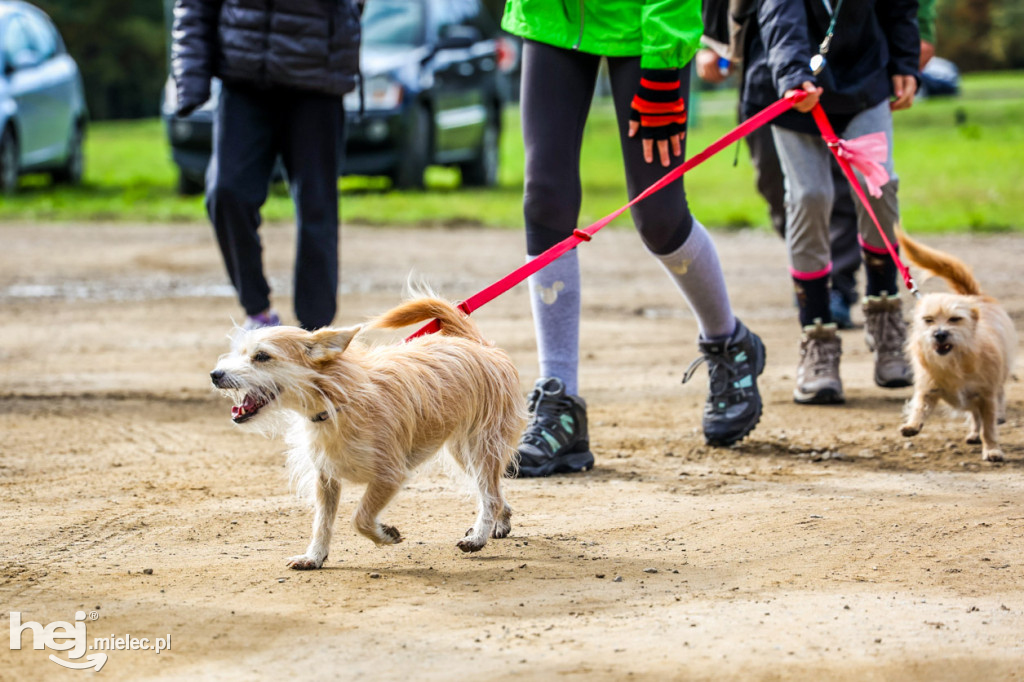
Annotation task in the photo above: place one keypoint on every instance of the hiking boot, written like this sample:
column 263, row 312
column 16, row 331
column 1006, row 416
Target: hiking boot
column 817, row 375
column 733, row 405
column 267, row 319
column 555, row 441
column 885, row 333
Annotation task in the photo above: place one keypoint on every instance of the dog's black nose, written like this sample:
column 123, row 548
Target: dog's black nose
column 216, row 376
column 941, row 335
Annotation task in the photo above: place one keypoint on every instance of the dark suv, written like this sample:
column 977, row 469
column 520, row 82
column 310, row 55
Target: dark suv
column 432, row 94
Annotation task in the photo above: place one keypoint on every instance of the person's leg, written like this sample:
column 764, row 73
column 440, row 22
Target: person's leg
column 846, row 257
column 880, row 270
column 809, row 194
column 735, row 356
column 557, row 88
column 313, row 128
column 670, row 233
column 244, row 147
column 884, row 326
column 768, row 176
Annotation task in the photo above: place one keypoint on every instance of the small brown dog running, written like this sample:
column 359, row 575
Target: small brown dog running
column 373, row 414
column 962, row 347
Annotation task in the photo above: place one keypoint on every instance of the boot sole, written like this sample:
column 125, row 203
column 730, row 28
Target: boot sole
column 894, row 383
column 826, row 396
column 569, row 463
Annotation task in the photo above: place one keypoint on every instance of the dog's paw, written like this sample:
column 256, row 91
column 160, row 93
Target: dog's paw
column 501, row 530
column 992, row 455
column 305, row 562
column 468, row 545
column 909, row 430
column 973, row 439
column 390, row 535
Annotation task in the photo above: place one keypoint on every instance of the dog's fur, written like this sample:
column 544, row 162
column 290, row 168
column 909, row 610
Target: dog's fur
column 962, row 347
column 372, row 414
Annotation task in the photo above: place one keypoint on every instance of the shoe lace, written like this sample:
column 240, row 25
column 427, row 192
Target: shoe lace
column 546, row 412
column 722, row 373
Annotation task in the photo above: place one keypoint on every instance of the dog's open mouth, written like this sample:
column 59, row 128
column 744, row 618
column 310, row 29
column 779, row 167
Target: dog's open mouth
column 943, row 348
column 249, row 407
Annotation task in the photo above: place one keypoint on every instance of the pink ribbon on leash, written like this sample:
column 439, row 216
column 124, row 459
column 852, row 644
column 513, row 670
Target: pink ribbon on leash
column 867, row 153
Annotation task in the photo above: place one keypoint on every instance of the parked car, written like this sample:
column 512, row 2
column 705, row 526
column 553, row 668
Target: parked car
column 432, row 94
column 42, row 103
column 939, row 77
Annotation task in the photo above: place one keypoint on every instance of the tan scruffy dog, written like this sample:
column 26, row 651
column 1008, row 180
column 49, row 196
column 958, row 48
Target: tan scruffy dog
column 372, row 414
column 962, row 347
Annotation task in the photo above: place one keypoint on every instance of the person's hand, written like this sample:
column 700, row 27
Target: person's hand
column 659, row 114
column 903, row 88
column 927, row 52
column 708, row 67
column 807, row 103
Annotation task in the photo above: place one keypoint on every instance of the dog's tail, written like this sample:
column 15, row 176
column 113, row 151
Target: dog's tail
column 453, row 321
column 952, row 269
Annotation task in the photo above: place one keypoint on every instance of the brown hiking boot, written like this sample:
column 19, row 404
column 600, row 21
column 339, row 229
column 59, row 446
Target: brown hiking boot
column 885, row 333
column 817, row 375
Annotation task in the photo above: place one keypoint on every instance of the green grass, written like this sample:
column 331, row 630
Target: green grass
column 960, row 160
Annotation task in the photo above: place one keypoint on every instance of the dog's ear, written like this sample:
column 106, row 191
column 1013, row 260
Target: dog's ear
column 327, row 342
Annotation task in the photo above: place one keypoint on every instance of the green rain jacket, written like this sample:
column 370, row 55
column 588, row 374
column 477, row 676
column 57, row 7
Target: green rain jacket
column 665, row 34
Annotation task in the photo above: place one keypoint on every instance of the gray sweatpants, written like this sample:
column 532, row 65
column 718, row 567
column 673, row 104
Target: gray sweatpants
column 810, row 193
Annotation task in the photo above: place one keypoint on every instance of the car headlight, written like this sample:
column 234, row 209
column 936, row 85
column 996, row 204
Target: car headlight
column 381, row 93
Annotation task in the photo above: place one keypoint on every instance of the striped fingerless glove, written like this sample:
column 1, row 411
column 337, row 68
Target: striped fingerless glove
column 658, row 104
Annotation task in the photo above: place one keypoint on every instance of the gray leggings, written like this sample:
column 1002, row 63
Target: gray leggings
column 557, row 88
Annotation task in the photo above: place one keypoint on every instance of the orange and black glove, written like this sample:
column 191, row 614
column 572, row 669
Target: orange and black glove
column 658, row 105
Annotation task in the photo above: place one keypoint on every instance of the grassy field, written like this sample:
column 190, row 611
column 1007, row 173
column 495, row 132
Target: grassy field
column 960, row 160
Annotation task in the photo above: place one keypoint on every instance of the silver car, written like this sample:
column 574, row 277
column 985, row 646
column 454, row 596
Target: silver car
column 42, row 104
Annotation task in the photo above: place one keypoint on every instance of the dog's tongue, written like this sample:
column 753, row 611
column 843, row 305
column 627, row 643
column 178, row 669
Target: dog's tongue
column 240, row 410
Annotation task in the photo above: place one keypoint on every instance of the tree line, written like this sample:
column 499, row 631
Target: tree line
column 121, row 45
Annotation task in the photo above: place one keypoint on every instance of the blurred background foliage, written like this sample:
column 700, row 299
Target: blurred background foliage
column 121, row 45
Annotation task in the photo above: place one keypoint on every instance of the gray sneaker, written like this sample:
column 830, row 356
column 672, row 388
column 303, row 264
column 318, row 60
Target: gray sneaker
column 886, row 333
column 817, row 375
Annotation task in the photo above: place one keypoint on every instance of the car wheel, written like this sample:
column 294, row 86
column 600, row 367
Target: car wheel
column 483, row 170
column 74, row 168
column 8, row 162
column 415, row 153
column 189, row 186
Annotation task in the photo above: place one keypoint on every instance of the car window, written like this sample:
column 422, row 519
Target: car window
column 42, row 36
column 14, row 40
column 464, row 13
column 392, row 22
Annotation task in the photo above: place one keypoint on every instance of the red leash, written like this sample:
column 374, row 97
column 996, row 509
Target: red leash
column 759, row 119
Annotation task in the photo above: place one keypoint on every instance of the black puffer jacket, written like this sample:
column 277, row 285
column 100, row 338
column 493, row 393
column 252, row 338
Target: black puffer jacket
column 303, row 44
column 873, row 41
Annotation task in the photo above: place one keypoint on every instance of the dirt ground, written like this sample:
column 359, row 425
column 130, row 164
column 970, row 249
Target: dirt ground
column 825, row 546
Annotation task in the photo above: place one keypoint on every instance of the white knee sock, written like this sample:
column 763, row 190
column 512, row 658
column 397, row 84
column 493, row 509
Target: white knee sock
column 555, row 300
column 696, row 271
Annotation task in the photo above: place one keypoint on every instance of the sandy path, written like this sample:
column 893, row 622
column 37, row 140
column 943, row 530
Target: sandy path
column 823, row 547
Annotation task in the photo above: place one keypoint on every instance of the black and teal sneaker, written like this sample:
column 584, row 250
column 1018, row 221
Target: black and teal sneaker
column 555, row 441
column 733, row 405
